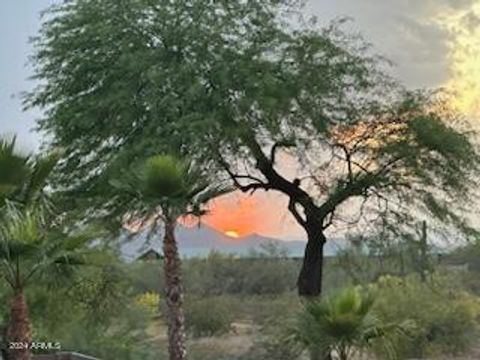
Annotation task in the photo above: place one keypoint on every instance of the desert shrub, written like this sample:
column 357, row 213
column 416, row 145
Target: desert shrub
column 446, row 317
column 267, row 310
column 273, row 338
column 272, row 346
column 146, row 276
column 214, row 275
column 149, row 302
column 124, row 339
column 96, row 315
column 468, row 254
column 260, row 274
column 269, row 276
column 208, row 316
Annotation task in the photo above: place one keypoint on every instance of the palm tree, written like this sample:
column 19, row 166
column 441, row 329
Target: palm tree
column 29, row 251
column 170, row 189
column 343, row 326
column 23, row 177
column 13, row 168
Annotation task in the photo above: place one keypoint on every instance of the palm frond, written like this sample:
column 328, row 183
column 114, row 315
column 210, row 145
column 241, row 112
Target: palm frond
column 41, row 170
column 14, row 167
column 22, row 177
column 346, row 322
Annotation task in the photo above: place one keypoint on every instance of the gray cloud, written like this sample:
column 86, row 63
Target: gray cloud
column 470, row 21
column 404, row 31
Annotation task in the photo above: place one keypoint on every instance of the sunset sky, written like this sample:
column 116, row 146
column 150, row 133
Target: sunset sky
column 432, row 42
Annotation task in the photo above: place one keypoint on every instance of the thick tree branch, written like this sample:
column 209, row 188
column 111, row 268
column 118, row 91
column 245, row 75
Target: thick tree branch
column 276, row 146
column 274, row 179
column 293, row 209
column 251, row 187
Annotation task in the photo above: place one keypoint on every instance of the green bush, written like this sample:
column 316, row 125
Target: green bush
column 96, row 315
column 208, row 317
column 260, row 274
column 145, row 276
column 273, row 346
column 446, row 317
column 266, row 310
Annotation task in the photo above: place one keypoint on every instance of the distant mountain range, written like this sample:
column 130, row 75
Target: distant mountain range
column 198, row 241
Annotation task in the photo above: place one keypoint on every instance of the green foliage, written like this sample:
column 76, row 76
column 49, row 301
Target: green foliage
column 434, row 135
column 369, row 257
column 96, row 314
column 146, row 276
column 275, row 316
column 164, row 187
column 223, row 274
column 179, row 187
column 190, row 79
column 214, row 93
column 273, row 346
column 468, row 254
column 99, row 292
column 164, row 177
column 30, row 250
column 345, row 325
column 446, row 317
column 149, row 302
column 23, row 178
column 220, row 274
column 208, row 317
column 13, row 166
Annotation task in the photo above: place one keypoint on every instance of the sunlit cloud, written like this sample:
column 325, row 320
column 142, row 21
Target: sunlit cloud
column 463, row 27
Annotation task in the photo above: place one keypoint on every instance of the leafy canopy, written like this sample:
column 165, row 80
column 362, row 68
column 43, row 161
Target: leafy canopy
column 231, row 84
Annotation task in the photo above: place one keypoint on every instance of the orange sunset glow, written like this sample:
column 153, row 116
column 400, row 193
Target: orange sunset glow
column 237, row 215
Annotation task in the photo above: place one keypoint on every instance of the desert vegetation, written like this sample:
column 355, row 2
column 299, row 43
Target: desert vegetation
column 112, row 310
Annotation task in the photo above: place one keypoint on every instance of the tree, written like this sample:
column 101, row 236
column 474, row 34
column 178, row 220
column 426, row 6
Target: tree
column 237, row 85
column 165, row 189
column 29, row 251
column 33, row 243
column 13, row 166
column 343, row 326
column 23, row 178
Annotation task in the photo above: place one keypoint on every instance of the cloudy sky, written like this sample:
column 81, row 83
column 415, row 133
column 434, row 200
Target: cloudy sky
column 432, row 43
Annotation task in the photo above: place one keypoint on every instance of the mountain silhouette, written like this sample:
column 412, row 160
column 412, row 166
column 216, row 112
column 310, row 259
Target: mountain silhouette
column 200, row 240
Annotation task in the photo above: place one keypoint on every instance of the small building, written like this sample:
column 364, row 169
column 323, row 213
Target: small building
column 150, row 255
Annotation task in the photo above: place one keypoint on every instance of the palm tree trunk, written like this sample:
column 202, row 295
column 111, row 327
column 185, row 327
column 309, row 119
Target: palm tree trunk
column 20, row 330
column 174, row 295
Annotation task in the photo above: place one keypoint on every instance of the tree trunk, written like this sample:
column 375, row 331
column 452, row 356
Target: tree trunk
column 174, row 295
column 309, row 282
column 424, row 261
column 19, row 331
